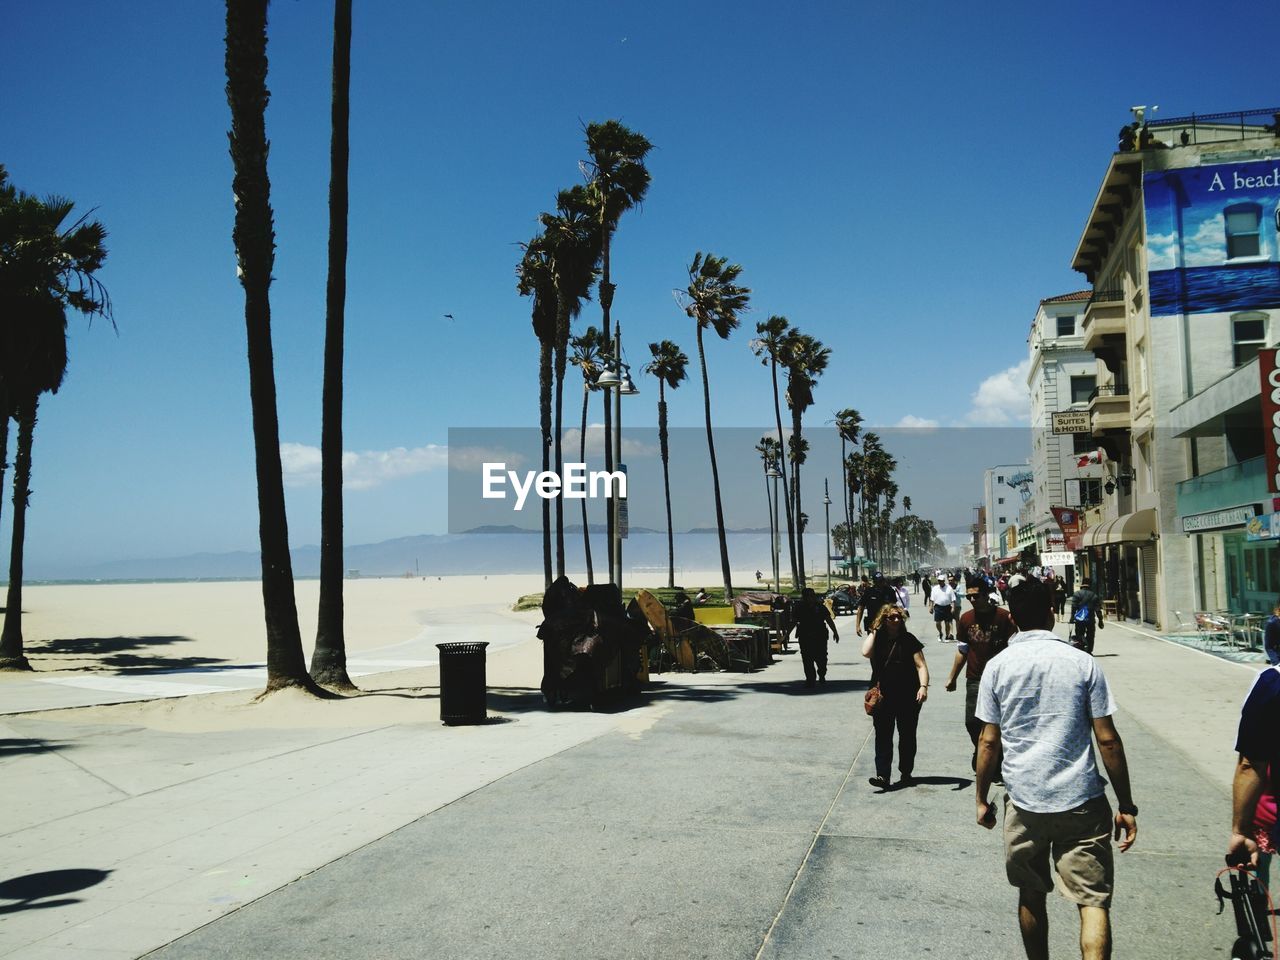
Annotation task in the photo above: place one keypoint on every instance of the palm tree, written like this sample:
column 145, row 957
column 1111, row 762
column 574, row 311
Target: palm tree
column 588, row 350
column 805, row 360
column 618, row 180
column 772, row 334
column 572, row 237
column 849, row 426
column 329, row 659
column 254, row 239
column 45, row 268
column 668, row 365
column 770, row 455
column 534, row 278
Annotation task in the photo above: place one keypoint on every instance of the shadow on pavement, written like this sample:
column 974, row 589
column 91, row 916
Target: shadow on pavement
column 29, row 892
column 957, row 783
column 16, row 746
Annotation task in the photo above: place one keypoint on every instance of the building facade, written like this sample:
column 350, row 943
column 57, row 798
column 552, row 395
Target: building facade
column 1182, row 252
column 1004, row 489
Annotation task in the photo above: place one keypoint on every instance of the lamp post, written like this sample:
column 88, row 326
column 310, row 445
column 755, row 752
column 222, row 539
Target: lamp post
column 775, row 475
column 826, row 503
column 617, row 377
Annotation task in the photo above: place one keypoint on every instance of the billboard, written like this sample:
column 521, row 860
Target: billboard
column 1269, row 374
column 1212, row 238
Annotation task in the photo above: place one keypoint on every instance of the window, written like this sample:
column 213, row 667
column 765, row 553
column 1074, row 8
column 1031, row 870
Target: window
column 1003, row 521
column 999, row 479
column 1090, row 492
column 1066, row 326
column 1244, row 239
column 1082, row 443
column 1082, row 388
column 999, row 499
column 1248, row 335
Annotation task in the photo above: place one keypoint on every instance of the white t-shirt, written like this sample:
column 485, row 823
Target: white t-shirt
column 942, row 595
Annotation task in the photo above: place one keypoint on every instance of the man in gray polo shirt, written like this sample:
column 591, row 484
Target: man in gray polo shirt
column 1043, row 702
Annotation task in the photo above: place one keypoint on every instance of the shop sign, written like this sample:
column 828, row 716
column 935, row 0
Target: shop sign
column 1070, row 421
column 1269, row 371
column 1265, row 527
column 1068, row 520
column 1220, row 519
column 1057, row 559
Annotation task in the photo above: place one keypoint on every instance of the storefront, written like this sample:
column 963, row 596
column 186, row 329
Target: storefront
column 1253, row 564
column 1124, row 564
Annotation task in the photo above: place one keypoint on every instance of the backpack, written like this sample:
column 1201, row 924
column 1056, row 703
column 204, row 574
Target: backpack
column 1083, row 613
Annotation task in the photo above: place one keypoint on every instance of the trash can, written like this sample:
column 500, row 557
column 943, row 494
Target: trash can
column 462, row 683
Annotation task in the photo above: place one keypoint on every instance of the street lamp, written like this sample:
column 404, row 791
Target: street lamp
column 617, row 376
column 775, row 475
column 826, row 502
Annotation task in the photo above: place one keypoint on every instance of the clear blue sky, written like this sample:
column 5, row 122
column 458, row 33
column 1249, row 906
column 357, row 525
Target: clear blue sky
column 904, row 181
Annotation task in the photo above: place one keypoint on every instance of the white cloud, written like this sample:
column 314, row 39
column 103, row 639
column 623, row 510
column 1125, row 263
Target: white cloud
column 911, row 421
column 363, row 470
column 1002, row 399
column 631, row 449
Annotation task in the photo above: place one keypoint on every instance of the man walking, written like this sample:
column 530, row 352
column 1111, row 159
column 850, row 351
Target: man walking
column 942, row 601
column 1257, row 766
column 1086, row 616
column 812, row 621
column 873, row 598
column 982, row 632
column 1040, row 701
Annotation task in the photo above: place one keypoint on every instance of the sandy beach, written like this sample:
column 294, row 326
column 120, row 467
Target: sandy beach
column 165, row 649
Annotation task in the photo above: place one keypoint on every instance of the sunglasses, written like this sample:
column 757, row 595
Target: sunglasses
column 892, row 619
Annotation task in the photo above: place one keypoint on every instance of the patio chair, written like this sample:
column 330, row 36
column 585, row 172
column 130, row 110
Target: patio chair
column 1213, row 627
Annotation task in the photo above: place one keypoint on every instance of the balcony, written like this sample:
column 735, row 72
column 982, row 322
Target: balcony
column 1230, row 486
column 1103, row 317
column 1109, row 407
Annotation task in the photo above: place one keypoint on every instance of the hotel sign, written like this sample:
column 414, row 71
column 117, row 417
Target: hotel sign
column 1220, row 519
column 1071, row 421
column 1270, row 374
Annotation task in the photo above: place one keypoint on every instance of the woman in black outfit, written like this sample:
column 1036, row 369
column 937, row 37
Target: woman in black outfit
column 898, row 665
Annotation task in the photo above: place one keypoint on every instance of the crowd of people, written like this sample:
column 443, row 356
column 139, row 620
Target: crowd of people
column 1035, row 704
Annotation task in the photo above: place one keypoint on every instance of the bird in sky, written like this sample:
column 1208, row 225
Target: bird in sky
column 448, row 316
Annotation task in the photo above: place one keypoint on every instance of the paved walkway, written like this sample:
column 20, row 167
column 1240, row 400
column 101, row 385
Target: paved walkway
column 725, row 816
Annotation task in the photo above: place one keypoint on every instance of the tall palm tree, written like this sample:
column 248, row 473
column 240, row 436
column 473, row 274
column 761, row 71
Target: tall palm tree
column 329, row 659
column 714, row 299
column 588, row 351
column 45, row 268
column 572, row 237
column 771, row 335
column 849, row 426
column 770, row 455
column 618, row 180
column 535, row 278
column 668, row 365
column 254, row 239
column 805, row 359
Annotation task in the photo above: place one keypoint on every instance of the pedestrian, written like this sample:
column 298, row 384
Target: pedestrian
column 875, row 596
column 904, row 595
column 813, row 619
column 1086, row 616
column 942, row 601
column 1060, row 595
column 1040, row 701
column 1271, row 635
column 1257, row 769
column 982, row 632
column 915, row 582
column 898, row 666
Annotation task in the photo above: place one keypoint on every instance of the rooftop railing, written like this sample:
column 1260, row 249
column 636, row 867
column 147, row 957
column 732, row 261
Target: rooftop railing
column 1203, row 128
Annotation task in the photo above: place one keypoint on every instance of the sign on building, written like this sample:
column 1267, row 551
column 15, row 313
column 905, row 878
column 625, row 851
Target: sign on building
column 1220, row 519
column 1070, row 421
column 1063, row 559
column 1265, row 527
column 1270, row 373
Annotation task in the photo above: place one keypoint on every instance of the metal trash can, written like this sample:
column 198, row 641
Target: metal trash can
column 462, row 683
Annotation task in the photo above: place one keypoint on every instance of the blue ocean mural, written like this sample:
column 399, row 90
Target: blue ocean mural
column 1213, row 238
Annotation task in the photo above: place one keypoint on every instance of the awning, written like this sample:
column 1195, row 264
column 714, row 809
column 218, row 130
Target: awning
column 1140, row 527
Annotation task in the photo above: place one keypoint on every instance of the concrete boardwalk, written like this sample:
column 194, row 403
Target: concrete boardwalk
column 725, row 816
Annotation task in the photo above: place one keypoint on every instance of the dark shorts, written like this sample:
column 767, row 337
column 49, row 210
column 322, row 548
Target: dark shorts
column 1077, row 840
column 942, row 613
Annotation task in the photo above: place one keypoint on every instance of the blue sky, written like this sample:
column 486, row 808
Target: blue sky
column 903, row 181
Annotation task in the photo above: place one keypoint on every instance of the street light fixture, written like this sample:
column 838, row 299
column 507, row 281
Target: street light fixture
column 826, row 502
column 617, row 376
column 775, row 475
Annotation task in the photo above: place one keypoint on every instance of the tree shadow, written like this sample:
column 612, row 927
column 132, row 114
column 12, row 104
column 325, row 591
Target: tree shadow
column 117, row 655
column 29, row 892
column 17, row 746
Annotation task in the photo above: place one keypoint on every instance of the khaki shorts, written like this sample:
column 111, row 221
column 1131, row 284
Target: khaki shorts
column 1079, row 841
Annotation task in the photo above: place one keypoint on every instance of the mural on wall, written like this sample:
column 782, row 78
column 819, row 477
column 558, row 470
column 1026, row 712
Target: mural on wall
column 1213, row 238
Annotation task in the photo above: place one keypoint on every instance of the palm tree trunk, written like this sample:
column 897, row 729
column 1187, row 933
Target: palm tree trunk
column 4, row 445
column 562, row 357
column 254, row 237
column 715, row 473
column 11, row 655
column 665, row 450
column 606, row 305
column 582, row 455
column 795, row 482
column 544, row 412
column 782, row 466
column 329, row 659
column 848, row 515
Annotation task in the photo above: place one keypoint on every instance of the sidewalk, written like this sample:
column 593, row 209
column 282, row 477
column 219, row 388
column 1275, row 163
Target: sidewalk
column 728, row 815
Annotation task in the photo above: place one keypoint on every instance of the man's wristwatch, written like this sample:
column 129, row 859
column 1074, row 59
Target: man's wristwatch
column 1128, row 809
